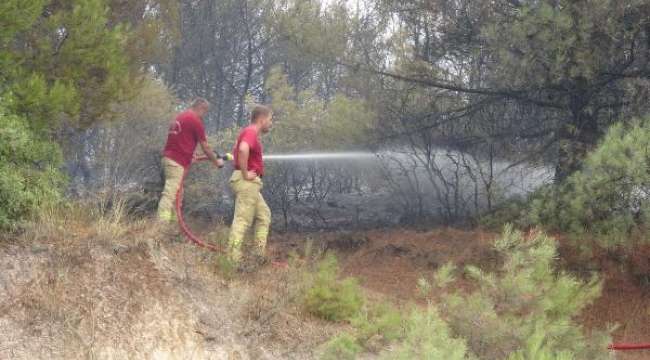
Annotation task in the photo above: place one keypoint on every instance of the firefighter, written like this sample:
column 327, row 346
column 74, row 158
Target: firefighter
column 186, row 130
column 246, row 184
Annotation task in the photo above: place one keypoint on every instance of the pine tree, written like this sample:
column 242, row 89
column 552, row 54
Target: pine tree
column 60, row 63
column 525, row 308
column 29, row 176
column 608, row 198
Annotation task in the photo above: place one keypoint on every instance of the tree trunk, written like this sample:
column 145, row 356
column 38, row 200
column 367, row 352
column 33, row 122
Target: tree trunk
column 577, row 138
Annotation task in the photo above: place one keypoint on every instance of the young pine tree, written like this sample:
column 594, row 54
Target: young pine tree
column 525, row 309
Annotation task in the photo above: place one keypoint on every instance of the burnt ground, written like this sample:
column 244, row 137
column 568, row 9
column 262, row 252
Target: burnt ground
column 389, row 262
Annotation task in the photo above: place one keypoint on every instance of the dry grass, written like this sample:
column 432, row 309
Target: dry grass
column 97, row 287
column 88, row 284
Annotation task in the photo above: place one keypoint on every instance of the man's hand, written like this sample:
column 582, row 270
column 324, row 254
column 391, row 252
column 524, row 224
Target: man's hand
column 218, row 163
column 250, row 175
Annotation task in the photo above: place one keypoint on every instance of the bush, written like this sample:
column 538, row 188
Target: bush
column 29, row 178
column 420, row 334
column 378, row 325
column 427, row 336
column 525, row 309
column 328, row 297
column 509, row 211
column 342, row 347
column 609, row 198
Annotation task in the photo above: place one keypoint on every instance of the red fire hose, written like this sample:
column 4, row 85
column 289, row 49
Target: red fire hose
column 179, row 213
column 623, row 346
column 186, row 230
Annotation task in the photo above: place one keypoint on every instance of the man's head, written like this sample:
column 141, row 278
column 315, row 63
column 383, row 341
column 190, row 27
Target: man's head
column 200, row 106
column 262, row 117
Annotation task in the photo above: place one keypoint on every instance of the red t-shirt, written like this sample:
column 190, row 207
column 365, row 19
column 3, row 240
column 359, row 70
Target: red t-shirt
column 255, row 162
column 185, row 131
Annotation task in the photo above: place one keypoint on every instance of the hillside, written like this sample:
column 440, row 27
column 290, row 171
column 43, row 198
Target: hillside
column 111, row 291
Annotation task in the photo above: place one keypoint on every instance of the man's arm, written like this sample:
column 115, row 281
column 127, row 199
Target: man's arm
column 242, row 161
column 207, row 150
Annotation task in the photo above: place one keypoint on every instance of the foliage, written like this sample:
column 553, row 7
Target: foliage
column 328, row 297
column 608, row 198
column 428, row 336
column 567, row 49
column 509, row 211
column 536, row 349
column 420, row 334
column 307, row 124
column 312, row 35
column 29, row 176
column 64, row 66
column 154, row 26
column 342, row 346
column 126, row 152
column 525, row 308
column 85, row 55
column 223, row 56
column 550, row 75
column 65, row 63
column 377, row 325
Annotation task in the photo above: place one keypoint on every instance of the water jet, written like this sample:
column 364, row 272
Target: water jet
column 321, row 156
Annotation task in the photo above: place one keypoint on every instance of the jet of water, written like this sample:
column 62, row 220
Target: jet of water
column 322, row 156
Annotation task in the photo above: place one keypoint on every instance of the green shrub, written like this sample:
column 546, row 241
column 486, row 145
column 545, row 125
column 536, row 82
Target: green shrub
column 537, row 350
column 328, row 297
column 29, row 178
column 427, row 336
column 378, row 325
column 525, row 308
column 609, row 199
column 342, row 347
column 226, row 266
column 509, row 211
column 420, row 334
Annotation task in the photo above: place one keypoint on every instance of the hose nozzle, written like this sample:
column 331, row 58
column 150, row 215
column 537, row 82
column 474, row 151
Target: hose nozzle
column 225, row 157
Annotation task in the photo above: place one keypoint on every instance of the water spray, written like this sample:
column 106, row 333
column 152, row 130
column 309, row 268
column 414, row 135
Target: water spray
column 303, row 156
column 322, row 156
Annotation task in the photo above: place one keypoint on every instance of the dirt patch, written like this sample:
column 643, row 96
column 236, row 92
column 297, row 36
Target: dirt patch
column 391, row 261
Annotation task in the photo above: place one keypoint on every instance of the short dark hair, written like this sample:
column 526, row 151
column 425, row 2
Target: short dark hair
column 199, row 102
column 259, row 111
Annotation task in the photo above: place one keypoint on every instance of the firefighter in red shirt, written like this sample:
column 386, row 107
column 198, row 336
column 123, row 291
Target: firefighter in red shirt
column 246, row 184
column 186, row 130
